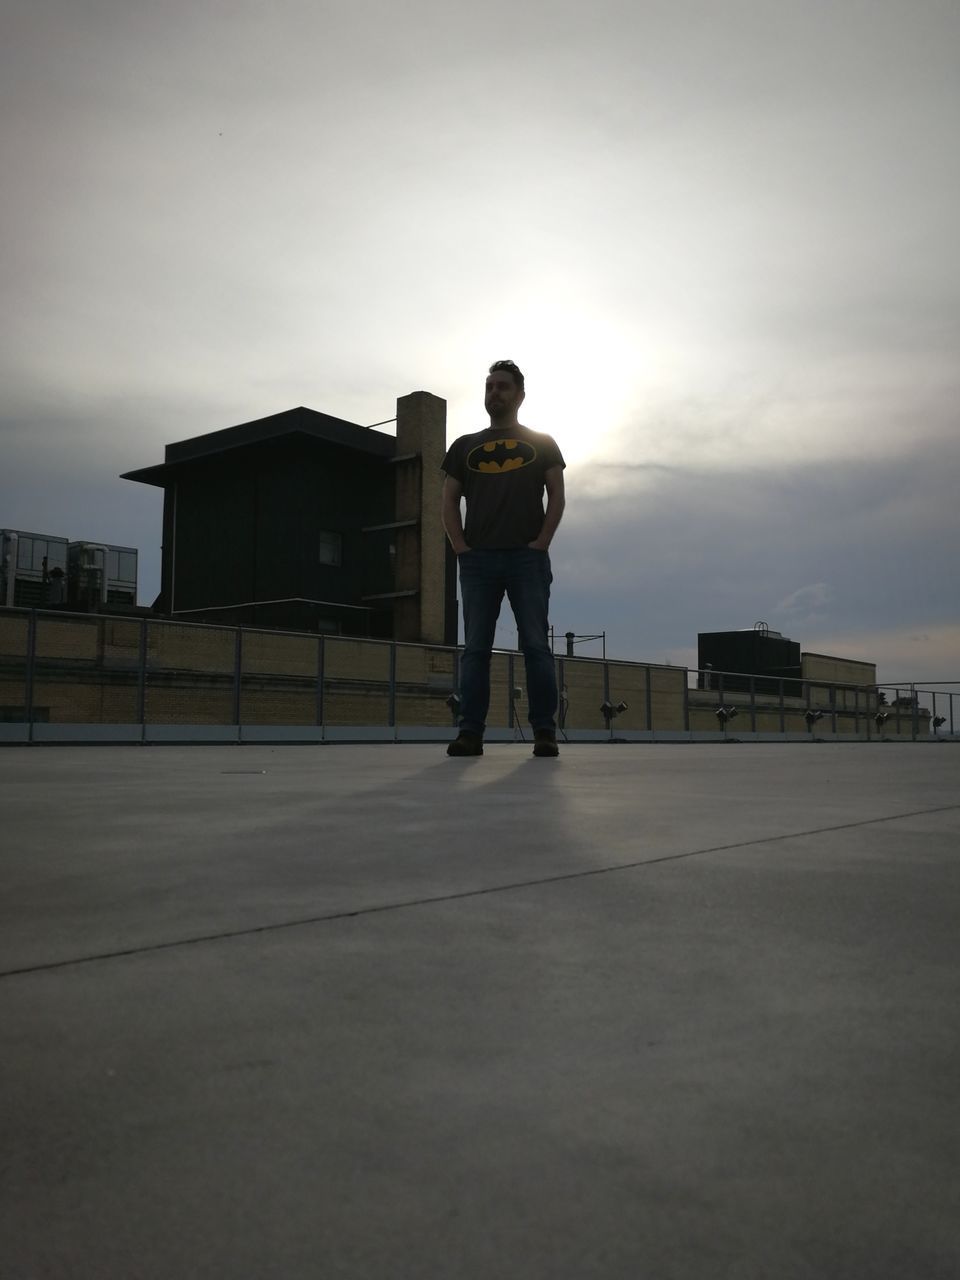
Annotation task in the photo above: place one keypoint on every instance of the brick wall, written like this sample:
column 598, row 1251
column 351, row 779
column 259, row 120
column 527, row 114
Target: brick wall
column 87, row 671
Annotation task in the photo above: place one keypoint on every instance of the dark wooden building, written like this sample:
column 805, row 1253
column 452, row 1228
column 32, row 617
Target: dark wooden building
column 305, row 521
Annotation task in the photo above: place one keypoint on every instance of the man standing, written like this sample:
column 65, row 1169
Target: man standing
column 502, row 473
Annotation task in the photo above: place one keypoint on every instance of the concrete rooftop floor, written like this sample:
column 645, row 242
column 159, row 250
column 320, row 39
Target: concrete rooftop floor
column 684, row 1012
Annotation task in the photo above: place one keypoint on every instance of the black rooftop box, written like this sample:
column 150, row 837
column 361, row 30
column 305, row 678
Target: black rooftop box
column 756, row 652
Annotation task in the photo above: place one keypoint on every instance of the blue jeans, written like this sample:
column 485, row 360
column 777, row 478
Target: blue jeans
column 524, row 575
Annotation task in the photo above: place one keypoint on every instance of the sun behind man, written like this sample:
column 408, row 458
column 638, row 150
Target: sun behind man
column 502, row 473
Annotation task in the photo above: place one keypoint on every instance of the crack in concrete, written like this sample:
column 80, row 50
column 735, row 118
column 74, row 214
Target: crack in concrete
column 380, row 908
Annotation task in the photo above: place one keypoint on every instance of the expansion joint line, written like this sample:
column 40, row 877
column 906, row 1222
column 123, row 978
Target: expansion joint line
column 381, row 908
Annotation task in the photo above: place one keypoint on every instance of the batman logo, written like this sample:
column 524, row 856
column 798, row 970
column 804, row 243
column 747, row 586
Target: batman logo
column 499, row 456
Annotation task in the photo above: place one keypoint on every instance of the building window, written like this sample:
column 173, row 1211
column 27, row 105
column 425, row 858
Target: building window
column 25, row 554
column 330, row 549
column 121, row 565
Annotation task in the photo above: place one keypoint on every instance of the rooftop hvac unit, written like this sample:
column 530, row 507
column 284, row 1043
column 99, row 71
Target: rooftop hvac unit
column 118, row 566
column 9, row 538
column 26, row 562
column 742, row 654
column 101, row 573
column 88, row 575
column 121, row 575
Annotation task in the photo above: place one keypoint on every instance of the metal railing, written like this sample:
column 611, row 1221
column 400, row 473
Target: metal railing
column 904, row 705
column 879, row 711
column 116, row 677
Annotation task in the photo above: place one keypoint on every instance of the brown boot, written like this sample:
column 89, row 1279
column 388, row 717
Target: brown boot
column 466, row 744
column 545, row 743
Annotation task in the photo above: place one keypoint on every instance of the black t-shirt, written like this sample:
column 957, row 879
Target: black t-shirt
column 502, row 474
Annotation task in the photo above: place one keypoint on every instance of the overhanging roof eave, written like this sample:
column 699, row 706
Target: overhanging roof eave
column 149, row 475
column 305, row 423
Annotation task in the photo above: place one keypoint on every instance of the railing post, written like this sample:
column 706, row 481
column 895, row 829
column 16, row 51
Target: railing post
column 142, row 682
column 915, row 712
column 320, row 657
column 606, row 696
column 557, row 675
column 237, row 677
column 510, row 699
column 28, row 678
column 392, row 696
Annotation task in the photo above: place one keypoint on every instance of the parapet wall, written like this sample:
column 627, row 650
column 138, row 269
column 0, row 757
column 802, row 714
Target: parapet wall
column 102, row 678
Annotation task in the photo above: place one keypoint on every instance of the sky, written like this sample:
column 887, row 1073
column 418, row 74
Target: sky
column 719, row 236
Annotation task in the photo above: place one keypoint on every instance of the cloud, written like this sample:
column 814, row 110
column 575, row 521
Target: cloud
column 930, row 659
column 656, row 555
column 720, row 240
column 805, row 605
